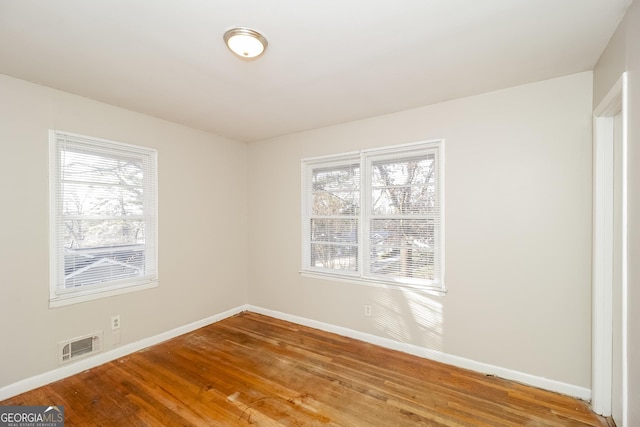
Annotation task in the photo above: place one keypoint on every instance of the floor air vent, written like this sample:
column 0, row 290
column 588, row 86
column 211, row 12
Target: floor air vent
column 79, row 347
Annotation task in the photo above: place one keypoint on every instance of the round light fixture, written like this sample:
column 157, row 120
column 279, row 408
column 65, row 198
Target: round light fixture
column 245, row 42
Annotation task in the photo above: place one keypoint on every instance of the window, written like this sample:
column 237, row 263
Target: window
column 103, row 218
column 376, row 216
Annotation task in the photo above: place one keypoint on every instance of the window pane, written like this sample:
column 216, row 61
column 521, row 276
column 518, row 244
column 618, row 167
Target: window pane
column 79, row 165
column 404, row 187
column 403, row 247
column 415, row 200
column 340, row 203
column 334, row 230
column 99, row 265
column 336, row 178
column 415, row 171
column 410, row 263
column 336, row 190
column 334, row 257
column 91, row 199
column 85, row 233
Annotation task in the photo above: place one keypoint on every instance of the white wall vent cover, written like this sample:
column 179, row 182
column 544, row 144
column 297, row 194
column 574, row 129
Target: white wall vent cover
column 80, row 347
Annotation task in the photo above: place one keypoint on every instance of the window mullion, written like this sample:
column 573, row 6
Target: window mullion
column 365, row 207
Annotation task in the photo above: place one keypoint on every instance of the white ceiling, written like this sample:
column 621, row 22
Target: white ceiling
column 328, row 61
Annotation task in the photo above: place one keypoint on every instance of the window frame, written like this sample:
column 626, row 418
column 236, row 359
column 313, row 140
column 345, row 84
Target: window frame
column 58, row 294
column 365, row 159
column 323, row 162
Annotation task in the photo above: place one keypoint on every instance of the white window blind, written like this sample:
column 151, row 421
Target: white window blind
column 103, row 215
column 376, row 215
column 333, row 224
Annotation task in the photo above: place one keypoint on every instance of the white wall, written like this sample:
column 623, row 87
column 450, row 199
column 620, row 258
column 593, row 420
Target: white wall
column 518, row 230
column 623, row 54
column 202, row 227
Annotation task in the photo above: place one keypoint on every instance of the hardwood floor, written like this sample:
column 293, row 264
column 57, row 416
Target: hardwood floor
column 255, row 370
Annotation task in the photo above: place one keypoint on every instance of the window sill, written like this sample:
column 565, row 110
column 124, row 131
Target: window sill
column 423, row 289
column 70, row 298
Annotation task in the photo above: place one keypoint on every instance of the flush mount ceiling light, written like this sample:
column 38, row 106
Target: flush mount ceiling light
column 245, row 42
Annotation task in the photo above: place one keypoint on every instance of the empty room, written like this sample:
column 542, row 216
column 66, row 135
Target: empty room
column 345, row 213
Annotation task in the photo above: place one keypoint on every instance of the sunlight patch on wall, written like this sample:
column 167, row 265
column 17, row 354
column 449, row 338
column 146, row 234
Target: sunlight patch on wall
column 410, row 317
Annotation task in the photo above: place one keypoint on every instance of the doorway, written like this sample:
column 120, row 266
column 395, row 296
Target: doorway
column 609, row 388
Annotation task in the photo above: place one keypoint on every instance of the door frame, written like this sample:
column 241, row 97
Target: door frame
column 602, row 281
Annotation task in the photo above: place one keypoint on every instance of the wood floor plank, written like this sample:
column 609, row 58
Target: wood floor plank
column 255, row 370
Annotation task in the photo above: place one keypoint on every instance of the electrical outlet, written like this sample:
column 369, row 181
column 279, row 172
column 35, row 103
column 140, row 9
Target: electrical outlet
column 367, row 310
column 115, row 322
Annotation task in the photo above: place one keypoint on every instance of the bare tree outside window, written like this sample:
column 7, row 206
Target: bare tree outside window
column 376, row 215
column 334, row 221
column 107, row 189
column 401, row 227
column 103, row 212
column 103, row 217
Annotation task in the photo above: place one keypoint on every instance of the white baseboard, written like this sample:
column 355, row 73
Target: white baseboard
column 101, row 358
column 521, row 377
